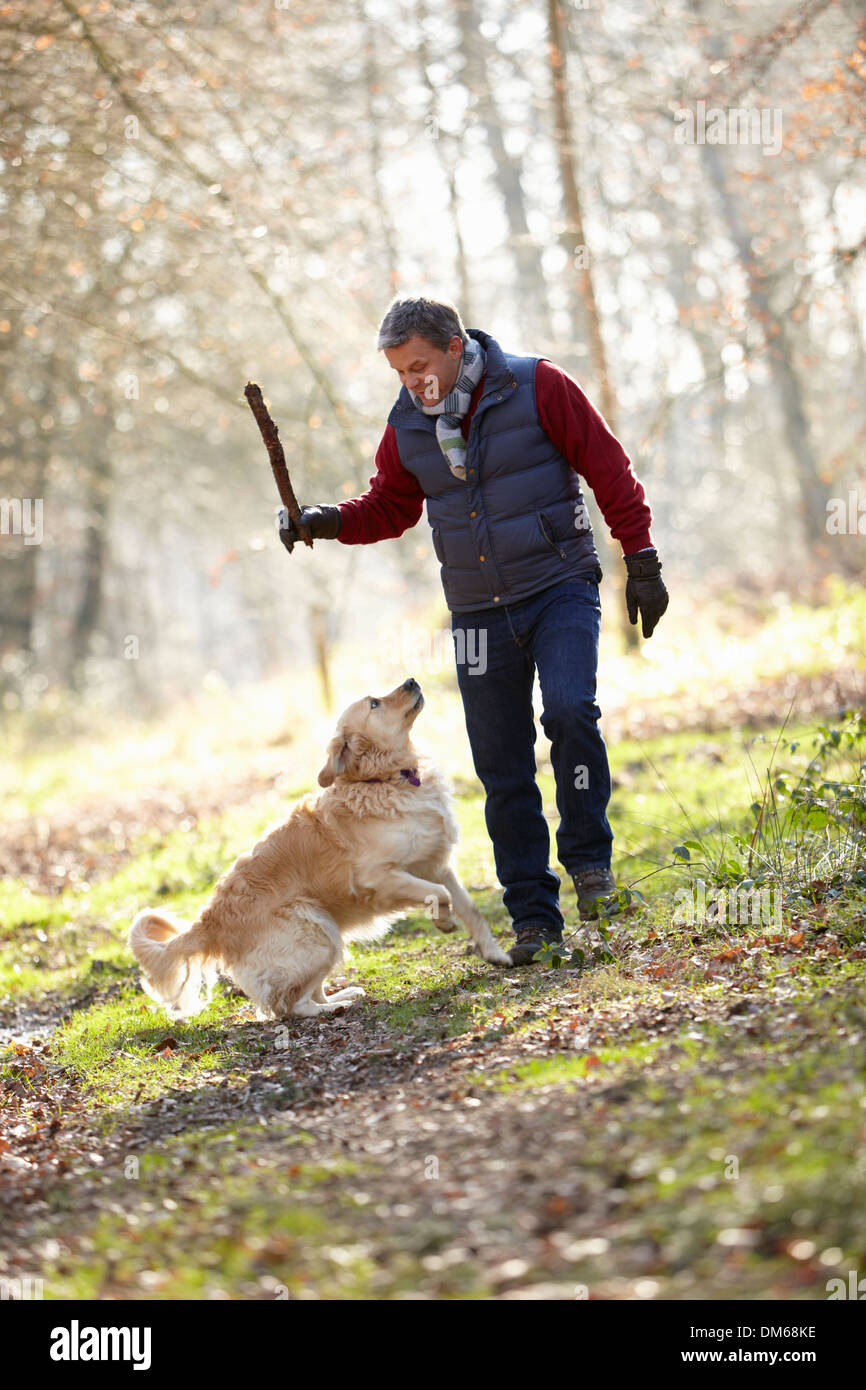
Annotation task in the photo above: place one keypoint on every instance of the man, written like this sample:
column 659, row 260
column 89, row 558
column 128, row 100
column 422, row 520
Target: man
column 495, row 443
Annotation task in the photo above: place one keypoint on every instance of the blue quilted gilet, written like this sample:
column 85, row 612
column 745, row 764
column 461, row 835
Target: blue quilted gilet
column 518, row 524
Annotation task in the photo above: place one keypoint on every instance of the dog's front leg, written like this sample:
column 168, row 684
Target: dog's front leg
column 482, row 937
column 409, row 891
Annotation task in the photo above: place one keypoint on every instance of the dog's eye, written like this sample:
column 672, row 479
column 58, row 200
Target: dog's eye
column 373, row 703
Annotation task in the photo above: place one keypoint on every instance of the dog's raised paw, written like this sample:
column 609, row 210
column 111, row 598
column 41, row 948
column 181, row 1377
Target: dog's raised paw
column 445, row 923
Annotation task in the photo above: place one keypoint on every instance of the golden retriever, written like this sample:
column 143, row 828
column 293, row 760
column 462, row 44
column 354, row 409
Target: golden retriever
column 349, row 860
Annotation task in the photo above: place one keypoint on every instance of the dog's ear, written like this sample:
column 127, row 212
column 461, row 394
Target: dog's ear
column 338, row 750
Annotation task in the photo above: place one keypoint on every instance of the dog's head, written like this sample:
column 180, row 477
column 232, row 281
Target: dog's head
column 373, row 736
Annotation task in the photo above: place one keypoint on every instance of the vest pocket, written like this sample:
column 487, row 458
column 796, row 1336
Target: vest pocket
column 437, row 545
column 547, row 532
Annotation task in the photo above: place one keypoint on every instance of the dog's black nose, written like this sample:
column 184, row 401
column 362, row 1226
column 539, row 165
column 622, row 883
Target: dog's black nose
column 411, row 684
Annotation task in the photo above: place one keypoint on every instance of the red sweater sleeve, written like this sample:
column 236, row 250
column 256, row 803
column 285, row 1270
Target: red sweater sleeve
column 393, row 502
column 581, row 435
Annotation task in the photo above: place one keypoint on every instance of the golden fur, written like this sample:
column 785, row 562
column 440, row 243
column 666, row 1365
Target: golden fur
column 347, row 862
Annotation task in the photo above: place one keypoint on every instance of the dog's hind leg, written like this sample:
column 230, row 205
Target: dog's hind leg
column 308, row 1007
column 316, row 1001
column 467, row 913
column 340, row 996
column 286, row 974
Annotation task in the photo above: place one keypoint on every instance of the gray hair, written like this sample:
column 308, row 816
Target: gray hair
column 433, row 319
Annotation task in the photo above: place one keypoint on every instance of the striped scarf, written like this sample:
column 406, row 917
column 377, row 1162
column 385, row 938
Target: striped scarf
column 454, row 406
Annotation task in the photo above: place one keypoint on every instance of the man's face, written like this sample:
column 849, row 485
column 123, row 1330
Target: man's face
column 424, row 368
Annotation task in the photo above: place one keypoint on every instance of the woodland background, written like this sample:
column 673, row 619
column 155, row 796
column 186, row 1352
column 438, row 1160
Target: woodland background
column 197, row 195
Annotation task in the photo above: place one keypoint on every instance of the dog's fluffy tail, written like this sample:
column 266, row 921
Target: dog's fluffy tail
column 177, row 970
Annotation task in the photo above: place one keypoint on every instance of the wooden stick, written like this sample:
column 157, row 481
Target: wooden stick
column 271, row 435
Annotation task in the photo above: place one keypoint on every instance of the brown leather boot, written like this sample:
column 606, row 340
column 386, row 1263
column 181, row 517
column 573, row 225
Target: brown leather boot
column 593, row 888
column 530, row 940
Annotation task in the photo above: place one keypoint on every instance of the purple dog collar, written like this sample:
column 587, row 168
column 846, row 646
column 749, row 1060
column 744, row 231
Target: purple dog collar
column 410, row 773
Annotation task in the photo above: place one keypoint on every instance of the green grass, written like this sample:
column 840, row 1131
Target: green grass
column 725, row 1133
column 567, row 1071
column 644, row 1083
column 251, row 1227
column 178, row 869
column 117, row 1049
column 710, row 1131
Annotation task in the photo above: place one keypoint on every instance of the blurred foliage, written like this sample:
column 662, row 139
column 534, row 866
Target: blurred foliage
column 193, row 196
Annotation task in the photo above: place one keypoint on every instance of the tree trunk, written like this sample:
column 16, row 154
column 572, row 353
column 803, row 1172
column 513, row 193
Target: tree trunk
column 21, row 477
column 795, row 425
column 448, row 165
column 322, row 651
column 372, row 83
column 532, row 286
column 813, row 493
column 567, row 157
column 95, row 549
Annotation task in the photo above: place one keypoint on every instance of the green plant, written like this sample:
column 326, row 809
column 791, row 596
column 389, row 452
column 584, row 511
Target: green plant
column 809, row 837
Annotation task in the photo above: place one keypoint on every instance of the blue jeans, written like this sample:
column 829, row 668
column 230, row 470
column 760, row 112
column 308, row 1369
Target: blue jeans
column 498, row 652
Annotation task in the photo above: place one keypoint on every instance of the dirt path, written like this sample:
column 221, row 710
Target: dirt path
column 525, row 1188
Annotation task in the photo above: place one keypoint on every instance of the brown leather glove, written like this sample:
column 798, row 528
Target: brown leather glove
column 323, row 521
column 645, row 591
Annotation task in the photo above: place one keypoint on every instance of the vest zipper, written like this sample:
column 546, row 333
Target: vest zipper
column 543, row 524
